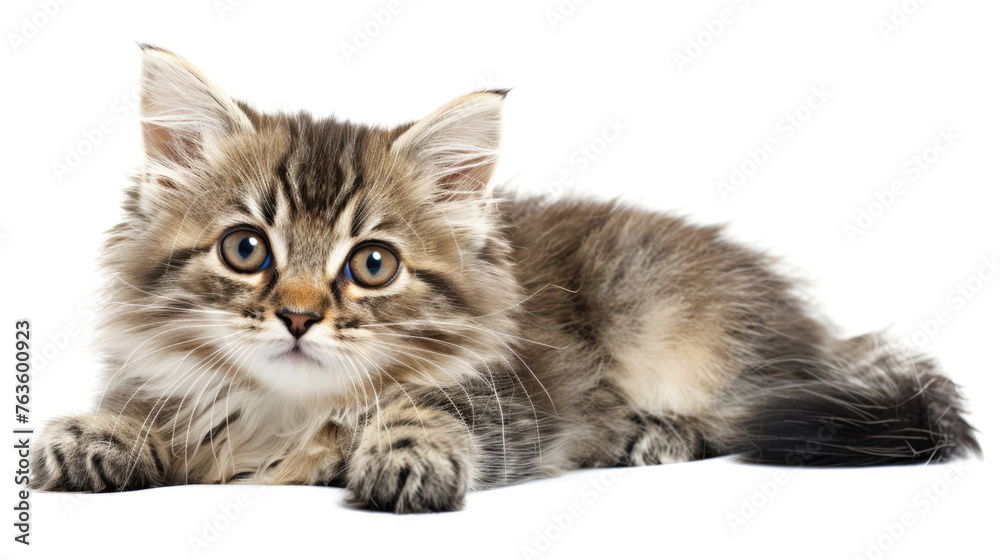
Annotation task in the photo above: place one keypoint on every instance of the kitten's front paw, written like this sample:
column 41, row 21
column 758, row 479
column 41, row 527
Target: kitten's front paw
column 410, row 470
column 92, row 454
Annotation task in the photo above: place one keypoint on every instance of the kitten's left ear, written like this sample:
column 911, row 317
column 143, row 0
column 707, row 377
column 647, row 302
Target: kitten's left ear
column 181, row 108
column 457, row 146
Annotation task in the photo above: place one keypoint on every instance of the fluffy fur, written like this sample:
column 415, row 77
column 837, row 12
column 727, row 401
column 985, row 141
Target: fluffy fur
column 520, row 338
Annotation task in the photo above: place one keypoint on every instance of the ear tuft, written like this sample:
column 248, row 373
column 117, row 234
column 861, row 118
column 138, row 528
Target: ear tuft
column 501, row 92
column 180, row 107
column 458, row 145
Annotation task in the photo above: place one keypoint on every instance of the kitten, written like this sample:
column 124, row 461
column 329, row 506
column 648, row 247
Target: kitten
column 312, row 301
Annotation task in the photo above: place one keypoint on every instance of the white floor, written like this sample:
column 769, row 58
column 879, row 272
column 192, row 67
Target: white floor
column 796, row 122
column 711, row 509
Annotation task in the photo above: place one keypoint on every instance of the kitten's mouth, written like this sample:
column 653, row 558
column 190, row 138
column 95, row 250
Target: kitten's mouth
column 298, row 356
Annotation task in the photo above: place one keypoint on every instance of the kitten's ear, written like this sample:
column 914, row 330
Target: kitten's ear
column 180, row 107
column 457, row 145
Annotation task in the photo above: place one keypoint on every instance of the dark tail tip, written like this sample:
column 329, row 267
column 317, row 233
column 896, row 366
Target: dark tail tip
column 890, row 420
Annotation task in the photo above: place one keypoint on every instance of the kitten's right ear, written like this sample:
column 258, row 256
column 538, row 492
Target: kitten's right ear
column 180, row 107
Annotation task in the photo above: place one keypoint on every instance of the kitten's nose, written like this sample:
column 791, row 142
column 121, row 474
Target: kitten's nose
column 298, row 323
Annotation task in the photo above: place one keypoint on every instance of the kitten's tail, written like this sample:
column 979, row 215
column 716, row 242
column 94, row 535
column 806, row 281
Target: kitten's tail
column 876, row 405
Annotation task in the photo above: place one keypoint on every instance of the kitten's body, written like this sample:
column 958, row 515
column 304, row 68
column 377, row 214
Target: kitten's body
column 518, row 338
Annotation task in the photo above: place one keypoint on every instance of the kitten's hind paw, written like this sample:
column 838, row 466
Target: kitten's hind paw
column 92, row 454
column 658, row 440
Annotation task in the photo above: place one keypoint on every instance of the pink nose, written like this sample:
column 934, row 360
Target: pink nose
column 298, row 323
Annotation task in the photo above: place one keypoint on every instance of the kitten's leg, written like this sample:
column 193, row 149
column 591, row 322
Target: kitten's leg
column 98, row 453
column 619, row 434
column 411, row 458
column 321, row 462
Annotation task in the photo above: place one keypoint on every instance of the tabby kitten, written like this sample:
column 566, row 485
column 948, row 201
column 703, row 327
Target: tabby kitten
column 312, row 301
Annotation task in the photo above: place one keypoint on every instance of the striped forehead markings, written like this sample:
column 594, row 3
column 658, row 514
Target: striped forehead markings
column 358, row 216
column 322, row 171
column 347, row 193
column 285, row 180
column 269, row 206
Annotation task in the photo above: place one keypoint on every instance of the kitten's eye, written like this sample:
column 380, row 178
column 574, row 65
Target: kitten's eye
column 245, row 250
column 371, row 266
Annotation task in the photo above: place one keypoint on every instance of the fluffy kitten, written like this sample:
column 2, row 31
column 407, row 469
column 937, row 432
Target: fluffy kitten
column 312, row 301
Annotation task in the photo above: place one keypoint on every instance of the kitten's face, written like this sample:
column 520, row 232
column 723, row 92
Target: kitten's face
column 309, row 257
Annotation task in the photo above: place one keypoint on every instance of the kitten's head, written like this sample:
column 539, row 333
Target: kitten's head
column 305, row 256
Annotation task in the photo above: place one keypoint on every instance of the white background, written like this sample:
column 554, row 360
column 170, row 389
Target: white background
column 686, row 124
